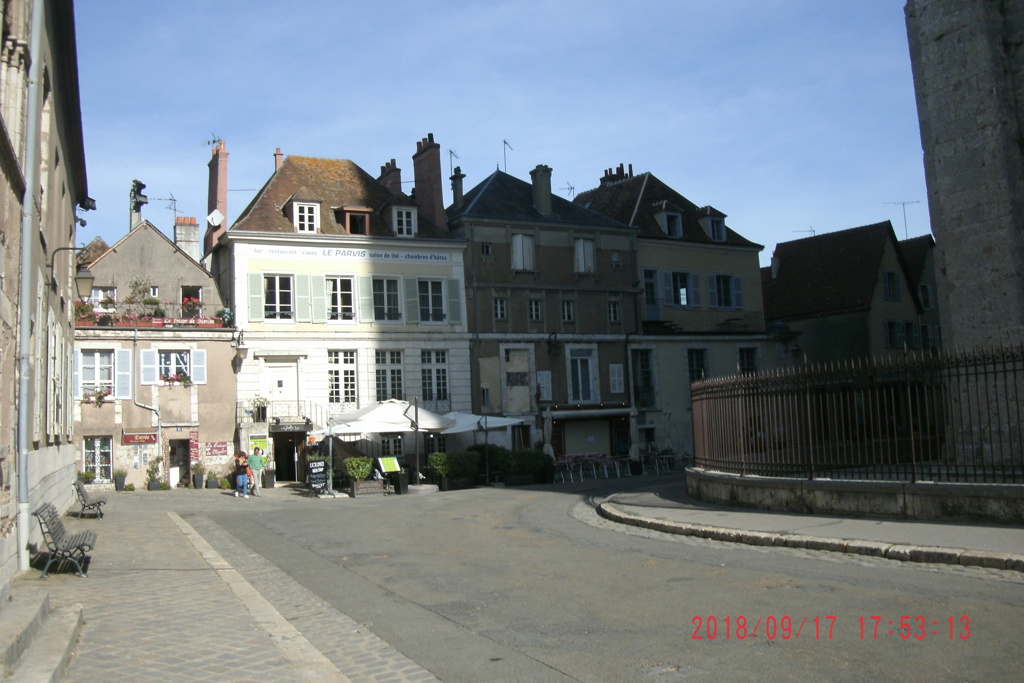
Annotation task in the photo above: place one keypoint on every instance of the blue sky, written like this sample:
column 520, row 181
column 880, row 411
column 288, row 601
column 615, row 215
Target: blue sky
column 787, row 115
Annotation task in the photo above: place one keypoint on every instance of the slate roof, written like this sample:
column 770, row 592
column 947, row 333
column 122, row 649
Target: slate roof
column 336, row 183
column 504, row 197
column 915, row 253
column 829, row 274
column 635, row 200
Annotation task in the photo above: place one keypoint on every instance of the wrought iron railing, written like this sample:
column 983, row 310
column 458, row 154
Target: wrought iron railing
column 923, row 417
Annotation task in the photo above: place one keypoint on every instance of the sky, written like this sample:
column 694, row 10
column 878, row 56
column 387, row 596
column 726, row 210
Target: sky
column 789, row 116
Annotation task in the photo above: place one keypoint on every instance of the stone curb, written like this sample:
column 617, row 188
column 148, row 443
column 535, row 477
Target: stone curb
column 891, row 551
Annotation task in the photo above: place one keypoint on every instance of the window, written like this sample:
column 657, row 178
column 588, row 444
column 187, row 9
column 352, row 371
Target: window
column 673, row 225
column 391, row 445
column 895, row 334
column 911, row 333
column 191, row 301
column 173, row 365
column 431, row 295
column 536, row 310
column 435, row 375
column 385, row 299
column 435, row 443
column 544, row 384
column 485, row 249
column 697, row 362
column 748, row 360
column 341, row 377
column 154, row 292
column 500, row 308
column 405, row 222
column 616, row 257
column 643, row 378
column 891, row 285
column 278, row 297
column 616, row 383
column 925, row 291
column 357, row 223
column 682, row 288
column 307, row 217
column 485, row 397
column 717, row 230
column 96, row 370
column 584, row 259
column 341, row 298
column 724, row 291
column 103, row 299
column 581, row 375
column 568, row 311
column 522, row 252
column 613, row 312
column 388, row 374
column 96, row 453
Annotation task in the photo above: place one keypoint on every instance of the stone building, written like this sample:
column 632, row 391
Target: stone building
column 968, row 67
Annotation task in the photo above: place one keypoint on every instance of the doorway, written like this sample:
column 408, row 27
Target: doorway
column 286, row 455
column 179, row 469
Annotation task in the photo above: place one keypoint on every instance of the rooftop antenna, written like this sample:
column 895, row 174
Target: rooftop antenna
column 904, row 215
column 215, row 141
column 451, row 163
column 809, row 229
column 570, row 188
column 503, row 154
column 173, row 206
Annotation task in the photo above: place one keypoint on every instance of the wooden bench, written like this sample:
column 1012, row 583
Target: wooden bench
column 88, row 502
column 61, row 544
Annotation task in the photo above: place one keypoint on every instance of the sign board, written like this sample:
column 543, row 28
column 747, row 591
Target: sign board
column 135, row 439
column 316, row 475
column 290, row 427
column 389, row 465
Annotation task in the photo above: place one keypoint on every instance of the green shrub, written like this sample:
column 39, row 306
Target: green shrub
column 225, row 484
column 164, row 486
column 439, row 463
column 528, row 460
column 153, row 470
column 120, row 473
column 463, row 464
column 129, row 487
column 498, row 457
column 358, row 469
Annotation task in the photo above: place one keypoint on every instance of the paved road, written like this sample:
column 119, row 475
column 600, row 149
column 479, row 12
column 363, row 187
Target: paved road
column 530, row 585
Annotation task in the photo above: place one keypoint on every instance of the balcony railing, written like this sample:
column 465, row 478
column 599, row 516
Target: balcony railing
column 108, row 312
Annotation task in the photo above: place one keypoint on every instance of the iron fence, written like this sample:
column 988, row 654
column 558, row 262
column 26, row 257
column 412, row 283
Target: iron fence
column 926, row 416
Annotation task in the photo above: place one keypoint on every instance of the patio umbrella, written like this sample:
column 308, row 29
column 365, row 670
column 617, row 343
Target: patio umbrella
column 634, row 435
column 548, row 448
column 386, row 417
column 468, row 422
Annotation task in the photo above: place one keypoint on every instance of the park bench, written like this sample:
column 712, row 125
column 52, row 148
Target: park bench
column 61, row 544
column 88, row 502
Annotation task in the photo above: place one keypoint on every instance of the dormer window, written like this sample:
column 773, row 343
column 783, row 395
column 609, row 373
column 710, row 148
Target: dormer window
column 357, row 220
column 306, row 217
column 404, row 220
column 717, row 230
column 670, row 222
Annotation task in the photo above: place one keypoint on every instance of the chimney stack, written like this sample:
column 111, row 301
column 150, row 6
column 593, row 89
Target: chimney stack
column 391, row 177
column 186, row 236
column 541, row 177
column 217, row 196
column 278, row 158
column 457, row 187
column 426, row 165
column 775, row 266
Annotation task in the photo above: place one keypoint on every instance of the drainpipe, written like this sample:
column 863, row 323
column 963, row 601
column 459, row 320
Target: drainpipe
column 159, row 423
column 26, row 296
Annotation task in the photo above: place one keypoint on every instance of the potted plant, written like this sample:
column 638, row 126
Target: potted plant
column 181, row 378
column 129, row 487
column 456, row 470
column 97, row 397
column 87, row 476
column 119, row 477
column 153, row 475
column 259, row 409
column 212, row 481
column 357, row 470
column 198, row 473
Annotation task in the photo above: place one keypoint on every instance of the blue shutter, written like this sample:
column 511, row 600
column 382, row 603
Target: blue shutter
column 694, row 290
column 123, row 373
column 412, row 300
column 150, row 366
column 666, row 285
column 256, row 312
column 199, row 366
column 737, row 292
column 712, row 292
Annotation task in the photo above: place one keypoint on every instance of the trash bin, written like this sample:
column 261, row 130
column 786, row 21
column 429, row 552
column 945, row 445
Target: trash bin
column 268, row 478
column 400, row 480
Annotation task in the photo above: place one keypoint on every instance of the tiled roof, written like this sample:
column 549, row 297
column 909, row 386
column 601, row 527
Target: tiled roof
column 504, row 197
column 635, row 200
column 335, row 183
column 827, row 274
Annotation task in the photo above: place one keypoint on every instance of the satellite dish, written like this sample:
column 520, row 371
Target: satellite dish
column 215, row 218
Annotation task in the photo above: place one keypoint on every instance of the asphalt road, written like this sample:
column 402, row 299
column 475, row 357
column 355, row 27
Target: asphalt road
column 528, row 584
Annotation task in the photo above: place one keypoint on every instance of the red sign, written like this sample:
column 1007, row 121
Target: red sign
column 133, row 439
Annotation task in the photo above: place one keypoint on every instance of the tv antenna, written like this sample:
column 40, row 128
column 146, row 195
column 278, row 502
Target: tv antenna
column 809, row 229
column 215, row 141
column 173, row 206
column 570, row 188
column 904, row 204
column 503, row 154
column 451, row 163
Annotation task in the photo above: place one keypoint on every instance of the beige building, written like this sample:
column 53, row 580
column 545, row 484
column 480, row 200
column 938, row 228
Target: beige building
column 42, row 163
column 154, row 362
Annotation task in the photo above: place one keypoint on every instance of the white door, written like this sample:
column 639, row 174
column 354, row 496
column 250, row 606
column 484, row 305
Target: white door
column 283, row 388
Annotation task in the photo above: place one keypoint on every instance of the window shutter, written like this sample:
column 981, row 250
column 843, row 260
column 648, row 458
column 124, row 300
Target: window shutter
column 412, row 300
column 123, row 373
column 712, row 292
column 303, row 312
column 365, row 286
column 454, row 300
column 76, row 377
column 669, row 295
column 256, row 312
column 615, row 383
column 318, row 297
column 544, row 384
column 737, row 292
column 148, row 359
column 694, row 289
column 199, row 366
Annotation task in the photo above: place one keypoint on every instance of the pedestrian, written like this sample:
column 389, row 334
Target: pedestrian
column 241, row 474
column 256, row 463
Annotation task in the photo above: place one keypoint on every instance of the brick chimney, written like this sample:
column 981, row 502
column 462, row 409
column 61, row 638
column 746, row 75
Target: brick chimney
column 426, row 165
column 186, row 236
column 616, row 175
column 391, row 177
column 217, row 196
column 541, row 177
column 456, row 179
column 278, row 158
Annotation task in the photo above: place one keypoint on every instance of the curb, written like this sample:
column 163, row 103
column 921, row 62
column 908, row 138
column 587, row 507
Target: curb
column 891, row 551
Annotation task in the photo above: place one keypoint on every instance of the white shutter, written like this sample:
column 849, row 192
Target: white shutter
column 123, row 374
column 150, row 366
column 199, row 366
column 256, row 312
column 303, row 308
column 455, row 300
column 615, row 379
column 412, row 300
column 76, row 377
column 365, row 286
column 318, row 297
column 544, row 384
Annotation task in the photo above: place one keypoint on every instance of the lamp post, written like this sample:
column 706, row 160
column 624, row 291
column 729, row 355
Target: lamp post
column 83, row 276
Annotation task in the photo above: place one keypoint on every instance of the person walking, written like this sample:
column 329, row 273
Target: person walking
column 241, row 474
column 257, row 462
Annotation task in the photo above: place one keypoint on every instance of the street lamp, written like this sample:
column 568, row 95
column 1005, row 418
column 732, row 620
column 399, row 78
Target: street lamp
column 83, row 276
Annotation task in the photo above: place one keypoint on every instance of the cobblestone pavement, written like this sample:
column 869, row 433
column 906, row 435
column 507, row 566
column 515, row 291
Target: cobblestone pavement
column 164, row 603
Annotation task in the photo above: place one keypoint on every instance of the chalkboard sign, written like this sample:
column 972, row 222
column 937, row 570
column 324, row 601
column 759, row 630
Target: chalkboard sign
column 316, row 475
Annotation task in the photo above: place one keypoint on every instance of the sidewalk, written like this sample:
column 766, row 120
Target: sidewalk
column 671, row 510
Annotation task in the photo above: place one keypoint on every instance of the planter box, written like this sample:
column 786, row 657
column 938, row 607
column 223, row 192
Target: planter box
column 153, row 486
column 367, row 488
column 457, row 483
column 213, row 483
column 520, row 479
